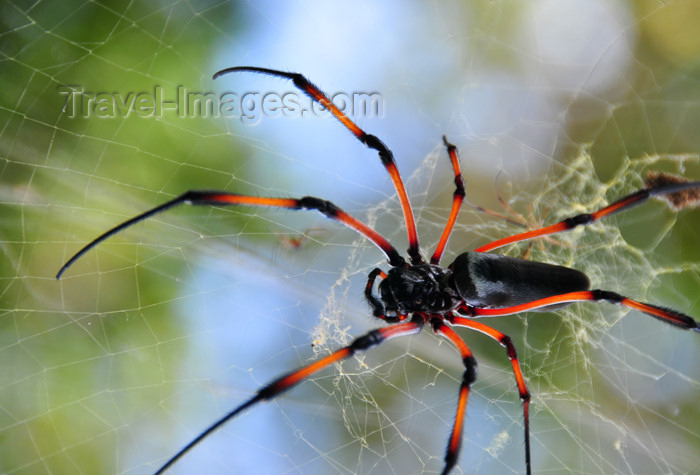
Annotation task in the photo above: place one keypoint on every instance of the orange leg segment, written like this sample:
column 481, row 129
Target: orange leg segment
column 371, row 141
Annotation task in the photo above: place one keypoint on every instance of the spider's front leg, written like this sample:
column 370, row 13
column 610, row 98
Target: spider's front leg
column 371, row 141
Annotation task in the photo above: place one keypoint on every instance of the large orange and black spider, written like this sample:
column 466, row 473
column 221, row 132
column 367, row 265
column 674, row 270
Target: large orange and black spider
column 414, row 293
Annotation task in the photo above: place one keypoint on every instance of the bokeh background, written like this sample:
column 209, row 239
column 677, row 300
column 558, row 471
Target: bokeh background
column 557, row 107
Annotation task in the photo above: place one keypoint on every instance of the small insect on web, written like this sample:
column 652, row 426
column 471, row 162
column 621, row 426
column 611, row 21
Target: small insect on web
column 414, row 293
column 689, row 197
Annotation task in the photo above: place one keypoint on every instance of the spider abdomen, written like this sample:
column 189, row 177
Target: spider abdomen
column 496, row 281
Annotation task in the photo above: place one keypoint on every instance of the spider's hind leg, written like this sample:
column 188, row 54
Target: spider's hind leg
column 668, row 315
column 584, row 219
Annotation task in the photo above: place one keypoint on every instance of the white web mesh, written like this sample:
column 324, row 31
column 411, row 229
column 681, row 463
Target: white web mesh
column 151, row 337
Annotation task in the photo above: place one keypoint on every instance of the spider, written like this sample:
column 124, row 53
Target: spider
column 414, row 293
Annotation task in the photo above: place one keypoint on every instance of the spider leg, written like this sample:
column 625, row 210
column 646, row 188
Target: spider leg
column 457, row 200
column 221, row 198
column 506, row 342
column 625, row 203
column 668, row 315
column 454, row 443
column 371, row 141
column 280, row 385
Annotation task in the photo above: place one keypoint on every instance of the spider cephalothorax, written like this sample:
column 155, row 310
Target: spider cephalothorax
column 423, row 288
column 475, row 284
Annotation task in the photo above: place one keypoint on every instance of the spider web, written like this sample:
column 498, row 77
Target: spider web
column 557, row 108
